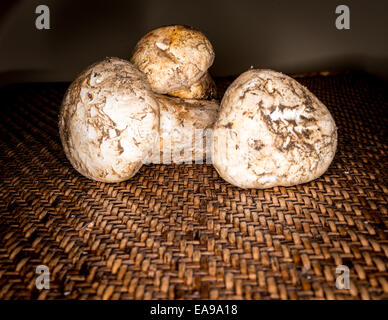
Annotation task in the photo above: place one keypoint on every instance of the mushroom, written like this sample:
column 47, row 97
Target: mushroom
column 204, row 88
column 173, row 57
column 109, row 121
column 185, row 130
column 272, row 131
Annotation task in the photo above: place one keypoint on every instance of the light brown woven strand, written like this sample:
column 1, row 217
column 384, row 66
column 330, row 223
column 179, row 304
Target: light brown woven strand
column 181, row 232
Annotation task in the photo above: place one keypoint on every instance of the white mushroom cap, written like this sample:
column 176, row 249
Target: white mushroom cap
column 109, row 121
column 173, row 57
column 271, row 131
column 185, row 130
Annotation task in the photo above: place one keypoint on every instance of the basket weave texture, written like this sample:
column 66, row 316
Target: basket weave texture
column 180, row 231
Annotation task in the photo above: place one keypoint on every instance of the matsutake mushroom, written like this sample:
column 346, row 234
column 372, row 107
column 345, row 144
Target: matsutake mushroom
column 272, row 131
column 173, row 57
column 109, row 121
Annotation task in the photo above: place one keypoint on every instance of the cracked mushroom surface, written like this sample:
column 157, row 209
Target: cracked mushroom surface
column 173, row 57
column 185, row 130
column 204, row 88
column 109, row 121
column 272, row 131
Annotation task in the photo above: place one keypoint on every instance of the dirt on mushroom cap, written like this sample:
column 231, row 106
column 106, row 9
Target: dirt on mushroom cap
column 272, row 131
column 173, row 57
column 109, row 121
column 204, row 88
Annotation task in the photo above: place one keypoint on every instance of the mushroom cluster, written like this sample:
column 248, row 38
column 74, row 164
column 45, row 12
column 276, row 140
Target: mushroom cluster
column 115, row 115
column 160, row 107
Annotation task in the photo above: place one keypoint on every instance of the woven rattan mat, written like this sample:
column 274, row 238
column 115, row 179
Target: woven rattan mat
column 180, row 231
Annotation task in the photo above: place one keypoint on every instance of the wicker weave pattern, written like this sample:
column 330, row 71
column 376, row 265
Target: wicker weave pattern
column 179, row 231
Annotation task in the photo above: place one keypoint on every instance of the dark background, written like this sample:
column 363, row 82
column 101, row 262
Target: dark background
column 288, row 36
